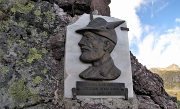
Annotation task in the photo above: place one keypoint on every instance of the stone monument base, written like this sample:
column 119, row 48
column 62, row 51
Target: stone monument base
column 104, row 103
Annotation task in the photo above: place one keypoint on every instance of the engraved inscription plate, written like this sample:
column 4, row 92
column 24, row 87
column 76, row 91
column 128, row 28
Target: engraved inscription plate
column 100, row 88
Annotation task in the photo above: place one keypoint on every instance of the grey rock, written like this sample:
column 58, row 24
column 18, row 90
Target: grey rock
column 102, row 9
column 94, row 106
column 78, row 7
column 5, row 100
column 147, row 103
column 149, row 86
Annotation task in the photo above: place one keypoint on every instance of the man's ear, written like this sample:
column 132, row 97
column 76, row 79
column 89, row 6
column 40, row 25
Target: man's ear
column 106, row 45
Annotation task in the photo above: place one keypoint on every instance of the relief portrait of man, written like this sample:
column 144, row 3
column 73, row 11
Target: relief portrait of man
column 98, row 41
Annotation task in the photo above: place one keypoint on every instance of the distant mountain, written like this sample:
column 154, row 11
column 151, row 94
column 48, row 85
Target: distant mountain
column 172, row 67
column 171, row 77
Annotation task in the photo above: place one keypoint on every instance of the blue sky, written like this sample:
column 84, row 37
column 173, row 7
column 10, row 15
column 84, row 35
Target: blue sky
column 160, row 13
column 154, row 35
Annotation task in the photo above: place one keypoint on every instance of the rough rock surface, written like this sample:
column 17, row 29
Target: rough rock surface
column 101, row 6
column 32, row 39
column 149, row 88
column 79, row 7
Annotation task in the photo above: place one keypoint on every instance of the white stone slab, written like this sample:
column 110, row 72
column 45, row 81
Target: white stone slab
column 73, row 66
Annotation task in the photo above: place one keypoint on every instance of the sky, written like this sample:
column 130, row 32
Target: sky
column 154, row 29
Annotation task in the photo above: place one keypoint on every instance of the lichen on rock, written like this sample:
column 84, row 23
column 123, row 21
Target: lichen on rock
column 33, row 54
column 18, row 7
column 19, row 92
column 4, row 69
column 29, row 73
column 37, row 80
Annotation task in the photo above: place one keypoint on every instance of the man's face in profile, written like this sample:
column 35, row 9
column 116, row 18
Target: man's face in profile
column 92, row 47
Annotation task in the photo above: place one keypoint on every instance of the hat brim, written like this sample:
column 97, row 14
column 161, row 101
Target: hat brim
column 101, row 32
column 82, row 30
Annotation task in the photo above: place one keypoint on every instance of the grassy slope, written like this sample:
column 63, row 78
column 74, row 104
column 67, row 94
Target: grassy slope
column 171, row 80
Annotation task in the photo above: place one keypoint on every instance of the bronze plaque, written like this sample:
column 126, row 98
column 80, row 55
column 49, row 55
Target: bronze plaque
column 98, row 41
column 100, row 88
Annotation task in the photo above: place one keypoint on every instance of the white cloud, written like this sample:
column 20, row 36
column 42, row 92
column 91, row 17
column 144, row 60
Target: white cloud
column 160, row 51
column 177, row 20
column 163, row 6
column 155, row 50
column 148, row 28
column 155, row 6
column 126, row 10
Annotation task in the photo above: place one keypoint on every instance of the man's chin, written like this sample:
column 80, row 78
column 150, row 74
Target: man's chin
column 85, row 59
column 88, row 59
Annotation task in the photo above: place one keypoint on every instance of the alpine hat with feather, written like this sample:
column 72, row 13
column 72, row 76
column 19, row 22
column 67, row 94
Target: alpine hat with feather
column 103, row 28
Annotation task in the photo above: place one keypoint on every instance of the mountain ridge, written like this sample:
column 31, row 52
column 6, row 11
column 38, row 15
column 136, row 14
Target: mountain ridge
column 171, row 78
column 172, row 67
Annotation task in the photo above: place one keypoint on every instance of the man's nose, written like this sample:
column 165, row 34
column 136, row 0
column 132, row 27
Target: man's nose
column 81, row 42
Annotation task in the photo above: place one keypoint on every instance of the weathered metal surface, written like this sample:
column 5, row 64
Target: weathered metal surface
column 124, row 28
column 98, row 41
column 100, row 88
